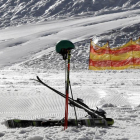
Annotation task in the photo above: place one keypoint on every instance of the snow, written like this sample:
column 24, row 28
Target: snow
column 28, row 50
column 23, row 98
column 36, row 37
column 16, row 12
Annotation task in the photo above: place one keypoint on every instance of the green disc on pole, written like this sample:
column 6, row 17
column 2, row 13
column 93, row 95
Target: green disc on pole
column 64, row 44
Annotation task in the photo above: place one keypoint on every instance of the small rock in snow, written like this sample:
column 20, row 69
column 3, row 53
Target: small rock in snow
column 1, row 134
column 35, row 138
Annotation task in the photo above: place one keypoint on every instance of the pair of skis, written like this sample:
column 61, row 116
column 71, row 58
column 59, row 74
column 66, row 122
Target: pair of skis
column 97, row 118
column 95, row 114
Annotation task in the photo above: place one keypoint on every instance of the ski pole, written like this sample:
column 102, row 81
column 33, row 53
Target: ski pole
column 67, row 91
column 74, row 106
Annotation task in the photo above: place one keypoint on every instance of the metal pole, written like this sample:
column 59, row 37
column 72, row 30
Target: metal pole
column 67, row 91
column 74, row 106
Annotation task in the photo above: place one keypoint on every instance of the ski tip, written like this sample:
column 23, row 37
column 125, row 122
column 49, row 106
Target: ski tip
column 37, row 77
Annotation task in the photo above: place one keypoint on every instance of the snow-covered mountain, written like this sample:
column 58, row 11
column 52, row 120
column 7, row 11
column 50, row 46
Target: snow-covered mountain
column 16, row 12
column 21, row 43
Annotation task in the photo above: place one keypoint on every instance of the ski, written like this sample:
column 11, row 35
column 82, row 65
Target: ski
column 72, row 102
column 78, row 103
column 89, row 122
column 97, row 118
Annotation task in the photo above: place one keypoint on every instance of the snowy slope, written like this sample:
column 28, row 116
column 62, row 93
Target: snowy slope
column 26, row 40
column 16, row 12
column 116, row 92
